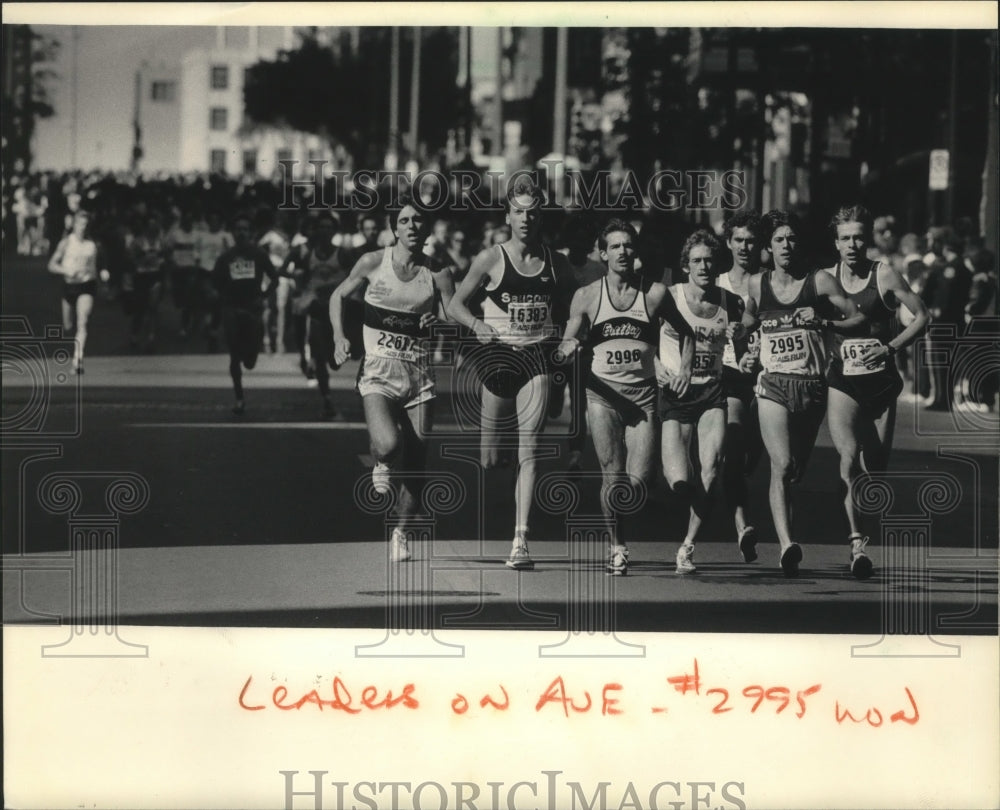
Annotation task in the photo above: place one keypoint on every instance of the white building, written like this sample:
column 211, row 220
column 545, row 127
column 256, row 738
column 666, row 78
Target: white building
column 191, row 114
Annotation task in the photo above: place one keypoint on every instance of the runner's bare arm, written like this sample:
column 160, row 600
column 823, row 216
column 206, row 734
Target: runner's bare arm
column 892, row 283
column 565, row 288
column 363, row 268
column 663, row 305
column 269, row 271
column 751, row 322
column 829, row 289
column 478, row 275
column 444, row 288
column 55, row 263
column 581, row 311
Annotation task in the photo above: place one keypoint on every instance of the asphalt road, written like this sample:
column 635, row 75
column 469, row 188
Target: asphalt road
column 256, row 521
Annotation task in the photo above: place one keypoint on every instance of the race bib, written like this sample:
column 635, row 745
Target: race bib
column 529, row 318
column 395, row 346
column 787, row 349
column 851, row 351
column 705, row 366
column 623, row 359
column 242, row 269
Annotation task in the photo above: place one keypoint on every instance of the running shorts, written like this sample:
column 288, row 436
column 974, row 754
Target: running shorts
column 71, row 291
column 874, row 393
column 504, row 370
column 634, row 403
column 244, row 330
column 737, row 385
column 688, row 409
column 796, row 393
column 400, row 380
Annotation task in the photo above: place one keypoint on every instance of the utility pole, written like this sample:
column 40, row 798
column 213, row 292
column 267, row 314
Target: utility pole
column 949, row 195
column 415, row 93
column 75, row 88
column 391, row 156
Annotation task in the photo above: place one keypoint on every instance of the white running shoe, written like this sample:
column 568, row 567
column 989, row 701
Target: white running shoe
column 685, row 559
column 519, row 558
column 399, row 547
column 861, row 563
column 617, row 564
column 380, row 478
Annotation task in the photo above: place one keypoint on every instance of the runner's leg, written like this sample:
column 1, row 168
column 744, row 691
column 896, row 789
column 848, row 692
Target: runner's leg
column 711, row 435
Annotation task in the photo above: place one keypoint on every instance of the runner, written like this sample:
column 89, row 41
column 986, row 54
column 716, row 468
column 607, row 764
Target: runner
column 76, row 259
column 148, row 254
column 181, row 260
column 319, row 273
column 523, row 281
column 211, row 243
column 792, row 305
column 715, row 317
column 275, row 242
column 404, row 290
column 742, row 447
column 238, row 276
column 862, row 375
column 620, row 315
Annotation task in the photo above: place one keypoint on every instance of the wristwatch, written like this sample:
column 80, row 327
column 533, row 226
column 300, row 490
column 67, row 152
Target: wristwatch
column 891, row 348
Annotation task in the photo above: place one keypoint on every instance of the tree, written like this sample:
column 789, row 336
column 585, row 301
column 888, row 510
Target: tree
column 28, row 59
column 342, row 92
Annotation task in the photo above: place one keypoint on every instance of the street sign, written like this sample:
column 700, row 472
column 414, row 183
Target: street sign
column 937, row 179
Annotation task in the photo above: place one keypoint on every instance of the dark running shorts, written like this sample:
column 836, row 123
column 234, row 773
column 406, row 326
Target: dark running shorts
column 699, row 399
column 244, row 330
column 738, row 386
column 504, row 370
column 874, row 393
column 794, row 393
column 71, row 291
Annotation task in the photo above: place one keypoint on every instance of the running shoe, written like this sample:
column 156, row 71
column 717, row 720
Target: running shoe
column 380, row 478
column 685, row 559
column 617, row 561
column 239, row 408
column 861, row 563
column 399, row 547
column 748, row 544
column 519, row 558
column 790, row 559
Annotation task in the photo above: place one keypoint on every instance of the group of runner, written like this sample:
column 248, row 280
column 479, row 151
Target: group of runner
column 744, row 360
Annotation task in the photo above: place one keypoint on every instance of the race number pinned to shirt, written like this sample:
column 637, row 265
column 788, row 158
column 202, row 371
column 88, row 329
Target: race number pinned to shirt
column 851, row 352
column 242, row 269
column 785, row 350
column 528, row 318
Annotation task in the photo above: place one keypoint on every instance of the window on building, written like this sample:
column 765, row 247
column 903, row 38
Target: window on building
column 218, row 118
column 220, row 77
column 163, row 91
column 249, row 161
column 217, row 160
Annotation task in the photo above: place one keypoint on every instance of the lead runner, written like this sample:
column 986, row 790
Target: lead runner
column 792, row 304
column 404, row 291
column 523, row 281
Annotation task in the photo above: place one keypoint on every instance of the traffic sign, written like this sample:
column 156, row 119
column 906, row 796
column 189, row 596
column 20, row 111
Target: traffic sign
column 938, row 177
